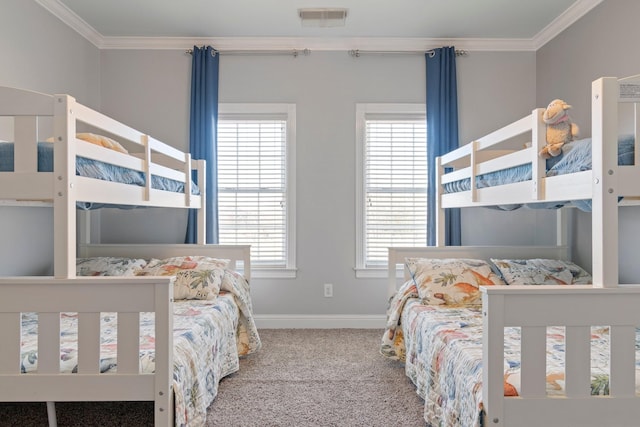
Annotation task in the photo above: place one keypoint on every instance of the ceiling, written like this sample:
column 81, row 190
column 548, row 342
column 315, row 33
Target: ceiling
column 492, row 24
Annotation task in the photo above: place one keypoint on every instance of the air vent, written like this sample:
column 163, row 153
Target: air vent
column 322, row 17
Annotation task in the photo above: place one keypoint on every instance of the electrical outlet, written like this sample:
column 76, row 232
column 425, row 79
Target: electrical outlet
column 328, row 290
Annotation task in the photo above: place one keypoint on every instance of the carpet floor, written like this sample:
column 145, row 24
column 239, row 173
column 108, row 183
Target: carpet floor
column 300, row 377
column 317, row 377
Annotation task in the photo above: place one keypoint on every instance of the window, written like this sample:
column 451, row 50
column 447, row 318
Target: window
column 256, row 178
column 391, row 181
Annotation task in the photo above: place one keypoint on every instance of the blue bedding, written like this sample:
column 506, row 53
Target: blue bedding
column 575, row 157
column 92, row 169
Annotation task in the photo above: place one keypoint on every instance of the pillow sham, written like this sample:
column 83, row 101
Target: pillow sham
column 196, row 277
column 108, row 266
column 454, row 282
column 541, row 272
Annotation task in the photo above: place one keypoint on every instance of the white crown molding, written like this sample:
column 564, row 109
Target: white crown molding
column 575, row 12
column 72, row 20
column 564, row 21
column 316, row 43
column 320, row 321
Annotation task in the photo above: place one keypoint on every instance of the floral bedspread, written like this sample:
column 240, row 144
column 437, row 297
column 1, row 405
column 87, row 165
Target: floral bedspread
column 208, row 337
column 442, row 350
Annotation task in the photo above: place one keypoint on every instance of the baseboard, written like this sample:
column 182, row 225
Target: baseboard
column 319, row 321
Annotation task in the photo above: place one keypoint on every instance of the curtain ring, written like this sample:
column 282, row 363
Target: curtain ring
column 431, row 53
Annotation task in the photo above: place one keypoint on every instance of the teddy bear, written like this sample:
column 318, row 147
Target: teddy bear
column 560, row 128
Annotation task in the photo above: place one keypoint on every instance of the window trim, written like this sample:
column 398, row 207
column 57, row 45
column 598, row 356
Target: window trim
column 362, row 111
column 259, row 111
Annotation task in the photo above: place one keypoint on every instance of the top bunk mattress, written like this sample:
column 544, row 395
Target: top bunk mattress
column 575, row 157
column 93, row 169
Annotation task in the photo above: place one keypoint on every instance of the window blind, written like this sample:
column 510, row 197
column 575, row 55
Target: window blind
column 252, row 187
column 395, row 181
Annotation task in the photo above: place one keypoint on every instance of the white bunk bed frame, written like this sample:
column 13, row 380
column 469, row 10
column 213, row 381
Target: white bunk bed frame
column 535, row 308
column 63, row 188
column 89, row 296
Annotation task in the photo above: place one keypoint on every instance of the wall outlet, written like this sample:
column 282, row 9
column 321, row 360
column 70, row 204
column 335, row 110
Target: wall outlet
column 328, row 290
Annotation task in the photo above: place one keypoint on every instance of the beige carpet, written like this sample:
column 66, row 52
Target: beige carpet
column 301, row 377
column 317, row 377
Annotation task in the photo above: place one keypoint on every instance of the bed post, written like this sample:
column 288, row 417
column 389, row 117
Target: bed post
column 538, row 141
column 493, row 358
column 64, row 194
column 604, row 216
column 144, row 141
column 163, row 407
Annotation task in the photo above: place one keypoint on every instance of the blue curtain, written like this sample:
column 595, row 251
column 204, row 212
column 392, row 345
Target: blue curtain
column 203, row 134
column 442, row 133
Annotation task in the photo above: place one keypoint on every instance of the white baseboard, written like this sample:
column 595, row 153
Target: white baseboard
column 319, row 321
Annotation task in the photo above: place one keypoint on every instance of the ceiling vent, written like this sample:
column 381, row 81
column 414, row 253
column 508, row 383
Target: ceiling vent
column 322, row 17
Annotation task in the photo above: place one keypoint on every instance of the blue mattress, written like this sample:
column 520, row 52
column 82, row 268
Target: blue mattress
column 575, row 157
column 92, row 169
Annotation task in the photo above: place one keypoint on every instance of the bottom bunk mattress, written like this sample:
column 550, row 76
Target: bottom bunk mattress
column 208, row 337
column 442, row 350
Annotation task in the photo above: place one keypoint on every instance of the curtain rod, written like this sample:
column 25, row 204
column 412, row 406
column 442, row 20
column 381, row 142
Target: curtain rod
column 357, row 52
column 294, row 52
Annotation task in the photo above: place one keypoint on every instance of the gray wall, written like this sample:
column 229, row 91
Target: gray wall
column 38, row 52
column 602, row 43
column 150, row 90
column 325, row 86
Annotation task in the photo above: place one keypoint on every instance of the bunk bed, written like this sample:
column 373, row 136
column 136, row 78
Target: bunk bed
column 526, row 355
column 54, row 329
column 87, row 140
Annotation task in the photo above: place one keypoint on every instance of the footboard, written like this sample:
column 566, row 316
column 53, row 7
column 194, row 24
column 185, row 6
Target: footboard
column 89, row 297
column 577, row 308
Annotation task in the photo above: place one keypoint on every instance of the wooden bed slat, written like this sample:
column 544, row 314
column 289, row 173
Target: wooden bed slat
column 578, row 367
column 77, row 388
column 533, row 351
column 21, row 102
column 49, row 343
column 128, row 343
column 10, row 339
column 588, row 412
column 88, row 343
column 623, row 361
column 32, row 186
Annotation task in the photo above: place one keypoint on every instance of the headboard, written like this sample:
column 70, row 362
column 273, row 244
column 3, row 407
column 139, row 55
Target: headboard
column 398, row 255
column 239, row 255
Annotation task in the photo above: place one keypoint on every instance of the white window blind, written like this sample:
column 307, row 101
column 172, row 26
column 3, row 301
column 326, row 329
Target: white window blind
column 252, row 187
column 395, row 184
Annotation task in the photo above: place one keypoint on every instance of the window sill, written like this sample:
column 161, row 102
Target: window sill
column 376, row 273
column 274, row 273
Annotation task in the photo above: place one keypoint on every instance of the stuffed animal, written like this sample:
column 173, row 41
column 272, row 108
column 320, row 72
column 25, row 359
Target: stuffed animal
column 560, row 129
